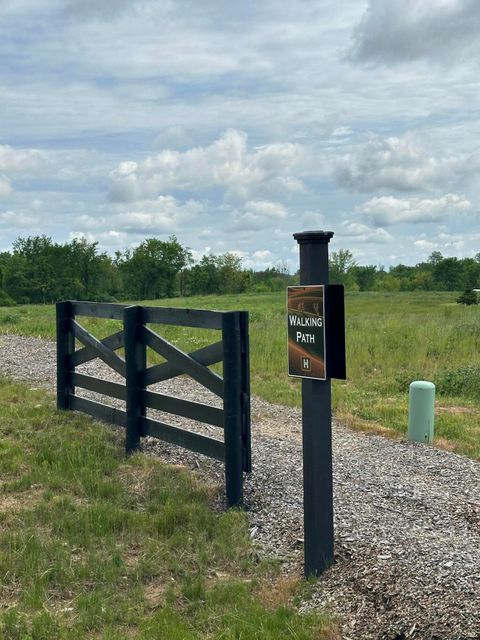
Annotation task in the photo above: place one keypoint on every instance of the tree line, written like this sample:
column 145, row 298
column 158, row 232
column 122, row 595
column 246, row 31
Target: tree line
column 39, row 270
column 437, row 273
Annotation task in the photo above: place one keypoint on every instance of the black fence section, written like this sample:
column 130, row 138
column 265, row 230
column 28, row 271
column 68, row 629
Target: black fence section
column 233, row 388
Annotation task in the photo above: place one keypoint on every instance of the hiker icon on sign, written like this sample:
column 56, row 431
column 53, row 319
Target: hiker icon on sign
column 306, row 366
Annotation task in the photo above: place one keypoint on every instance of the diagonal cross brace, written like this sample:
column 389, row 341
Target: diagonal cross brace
column 113, row 342
column 181, row 360
column 103, row 352
column 205, row 356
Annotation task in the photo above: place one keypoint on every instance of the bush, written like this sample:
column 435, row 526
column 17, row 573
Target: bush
column 462, row 382
column 5, row 299
column 404, row 377
column 469, row 296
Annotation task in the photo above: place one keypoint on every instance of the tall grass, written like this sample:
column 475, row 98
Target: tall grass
column 392, row 339
column 96, row 546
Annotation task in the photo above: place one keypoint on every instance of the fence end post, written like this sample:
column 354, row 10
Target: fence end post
column 134, row 364
column 232, row 403
column 65, row 348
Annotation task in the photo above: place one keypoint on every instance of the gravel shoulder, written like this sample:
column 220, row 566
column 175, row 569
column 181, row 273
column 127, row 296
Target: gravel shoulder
column 407, row 516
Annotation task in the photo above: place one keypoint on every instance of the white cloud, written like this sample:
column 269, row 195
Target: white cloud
column 166, row 218
column 90, row 222
column 90, row 85
column 111, row 239
column 342, row 132
column 266, row 208
column 287, row 184
column 14, row 219
column 359, row 232
column 125, row 184
column 387, row 210
column 163, row 216
column 260, row 259
column 456, row 244
column 404, row 30
column 225, row 164
column 393, row 163
column 5, row 186
column 21, row 160
column 237, row 252
column 425, row 245
column 260, row 214
column 262, row 254
column 456, row 241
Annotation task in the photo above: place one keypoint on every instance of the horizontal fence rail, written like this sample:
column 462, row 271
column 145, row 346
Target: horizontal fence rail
column 233, row 388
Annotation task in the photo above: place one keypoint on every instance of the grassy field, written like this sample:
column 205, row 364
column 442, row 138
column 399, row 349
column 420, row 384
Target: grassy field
column 96, row 546
column 392, row 339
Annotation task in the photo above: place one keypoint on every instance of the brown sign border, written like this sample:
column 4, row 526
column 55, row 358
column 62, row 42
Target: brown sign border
column 307, row 377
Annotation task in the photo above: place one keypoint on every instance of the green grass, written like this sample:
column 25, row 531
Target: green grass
column 96, row 546
column 392, row 339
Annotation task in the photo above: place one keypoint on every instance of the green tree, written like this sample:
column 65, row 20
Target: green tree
column 271, row 279
column 365, row 277
column 222, row 273
column 386, row 281
column 448, row 275
column 91, row 273
column 233, row 279
column 204, row 277
column 341, row 265
column 150, row 270
column 422, row 279
column 5, row 258
column 405, row 275
column 17, row 279
column 471, row 270
column 435, row 258
column 30, row 275
column 43, row 271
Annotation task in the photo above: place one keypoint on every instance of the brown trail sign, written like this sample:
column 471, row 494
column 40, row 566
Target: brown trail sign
column 306, row 331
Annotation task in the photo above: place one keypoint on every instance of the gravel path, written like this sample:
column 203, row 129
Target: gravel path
column 407, row 516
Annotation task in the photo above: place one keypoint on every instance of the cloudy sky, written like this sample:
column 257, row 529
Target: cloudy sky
column 234, row 125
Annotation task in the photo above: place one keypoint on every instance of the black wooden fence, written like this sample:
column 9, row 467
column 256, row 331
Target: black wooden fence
column 233, row 388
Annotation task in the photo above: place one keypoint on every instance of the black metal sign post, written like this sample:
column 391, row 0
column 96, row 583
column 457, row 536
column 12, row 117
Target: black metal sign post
column 317, row 427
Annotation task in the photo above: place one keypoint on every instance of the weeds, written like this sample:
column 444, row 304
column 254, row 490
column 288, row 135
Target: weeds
column 463, row 381
column 93, row 545
column 9, row 318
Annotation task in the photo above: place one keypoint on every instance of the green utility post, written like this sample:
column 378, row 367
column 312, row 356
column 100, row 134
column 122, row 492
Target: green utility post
column 421, row 411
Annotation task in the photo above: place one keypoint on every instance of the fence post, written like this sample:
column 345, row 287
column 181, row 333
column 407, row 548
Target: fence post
column 65, row 348
column 246, row 414
column 135, row 358
column 316, row 427
column 232, row 404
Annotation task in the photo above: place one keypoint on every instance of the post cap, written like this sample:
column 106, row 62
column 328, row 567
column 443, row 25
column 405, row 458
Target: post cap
column 422, row 384
column 313, row 237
